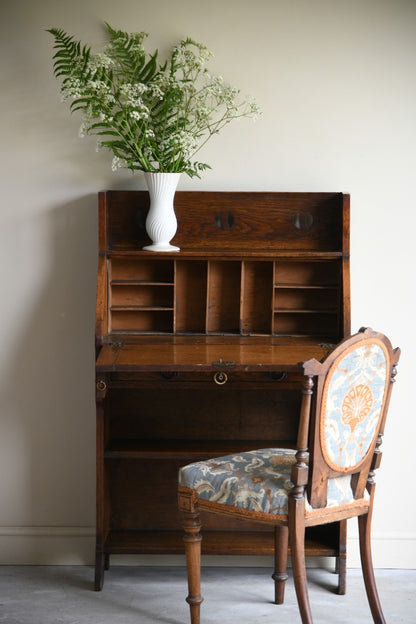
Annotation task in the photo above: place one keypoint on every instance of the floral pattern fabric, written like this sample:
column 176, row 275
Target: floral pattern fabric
column 258, row 481
column 353, row 398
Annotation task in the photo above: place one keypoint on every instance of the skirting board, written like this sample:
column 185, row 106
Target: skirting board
column 75, row 546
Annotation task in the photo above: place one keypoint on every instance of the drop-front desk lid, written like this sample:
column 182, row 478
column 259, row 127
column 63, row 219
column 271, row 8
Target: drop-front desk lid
column 191, row 353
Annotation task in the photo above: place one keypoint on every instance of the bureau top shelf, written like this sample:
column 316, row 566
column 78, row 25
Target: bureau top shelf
column 232, row 254
column 280, row 269
column 138, row 282
column 230, row 222
column 299, row 285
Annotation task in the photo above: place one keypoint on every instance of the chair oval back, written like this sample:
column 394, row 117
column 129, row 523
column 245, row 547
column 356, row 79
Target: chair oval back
column 352, row 401
column 353, row 387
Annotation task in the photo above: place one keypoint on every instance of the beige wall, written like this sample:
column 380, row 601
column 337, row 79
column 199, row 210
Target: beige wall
column 335, row 80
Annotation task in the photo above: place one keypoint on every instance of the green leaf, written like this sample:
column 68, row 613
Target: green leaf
column 68, row 51
column 150, row 69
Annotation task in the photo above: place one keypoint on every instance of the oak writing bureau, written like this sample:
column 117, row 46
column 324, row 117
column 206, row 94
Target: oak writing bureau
column 198, row 352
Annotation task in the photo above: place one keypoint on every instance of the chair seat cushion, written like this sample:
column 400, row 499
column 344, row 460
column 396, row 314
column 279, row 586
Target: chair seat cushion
column 257, row 481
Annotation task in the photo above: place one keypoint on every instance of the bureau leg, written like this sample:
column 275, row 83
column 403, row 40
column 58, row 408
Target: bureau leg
column 99, row 570
column 106, row 562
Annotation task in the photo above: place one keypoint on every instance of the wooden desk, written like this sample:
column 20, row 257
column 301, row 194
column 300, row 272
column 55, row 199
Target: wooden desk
column 198, row 352
column 189, row 354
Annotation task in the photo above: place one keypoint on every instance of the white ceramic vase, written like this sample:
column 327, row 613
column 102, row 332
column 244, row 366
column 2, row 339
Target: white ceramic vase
column 161, row 221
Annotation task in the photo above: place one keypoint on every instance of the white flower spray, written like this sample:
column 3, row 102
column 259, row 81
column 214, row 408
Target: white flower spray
column 152, row 116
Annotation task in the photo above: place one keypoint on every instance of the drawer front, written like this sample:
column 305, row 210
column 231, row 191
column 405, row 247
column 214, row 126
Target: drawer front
column 221, row 378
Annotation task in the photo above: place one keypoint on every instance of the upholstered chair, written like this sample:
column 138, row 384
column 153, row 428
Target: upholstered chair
column 328, row 478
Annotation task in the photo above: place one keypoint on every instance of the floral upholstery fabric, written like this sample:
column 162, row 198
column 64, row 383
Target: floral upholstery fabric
column 353, row 396
column 258, row 481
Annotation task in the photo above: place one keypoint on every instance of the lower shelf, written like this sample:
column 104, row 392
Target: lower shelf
column 320, row 542
column 186, row 450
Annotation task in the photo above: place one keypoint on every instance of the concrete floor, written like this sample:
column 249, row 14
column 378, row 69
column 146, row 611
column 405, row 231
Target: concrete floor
column 145, row 595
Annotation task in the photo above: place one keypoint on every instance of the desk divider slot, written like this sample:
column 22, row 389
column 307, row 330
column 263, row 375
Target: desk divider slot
column 306, row 298
column 223, row 297
column 145, row 321
column 141, row 295
column 256, row 297
column 190, row 296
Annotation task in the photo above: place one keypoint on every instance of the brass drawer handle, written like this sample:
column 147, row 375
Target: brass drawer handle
column 101, row 385
column 220, row 378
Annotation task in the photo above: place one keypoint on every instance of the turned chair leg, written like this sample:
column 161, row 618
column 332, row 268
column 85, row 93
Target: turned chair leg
column 281, row 543
column 297, row 545
column 192, row 539
column 364, row 525
column 341, row 564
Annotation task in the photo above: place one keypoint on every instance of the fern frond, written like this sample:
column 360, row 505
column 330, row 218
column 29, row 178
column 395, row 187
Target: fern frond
column 128, row 51
column 69, row 53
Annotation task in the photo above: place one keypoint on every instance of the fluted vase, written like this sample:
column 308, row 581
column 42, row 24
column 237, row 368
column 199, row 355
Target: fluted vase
column 161, row 224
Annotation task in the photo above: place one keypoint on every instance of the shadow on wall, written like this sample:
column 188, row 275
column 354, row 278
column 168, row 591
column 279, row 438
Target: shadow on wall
column 50, row 390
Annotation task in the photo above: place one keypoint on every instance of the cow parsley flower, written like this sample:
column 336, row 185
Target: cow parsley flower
column 152, row 116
